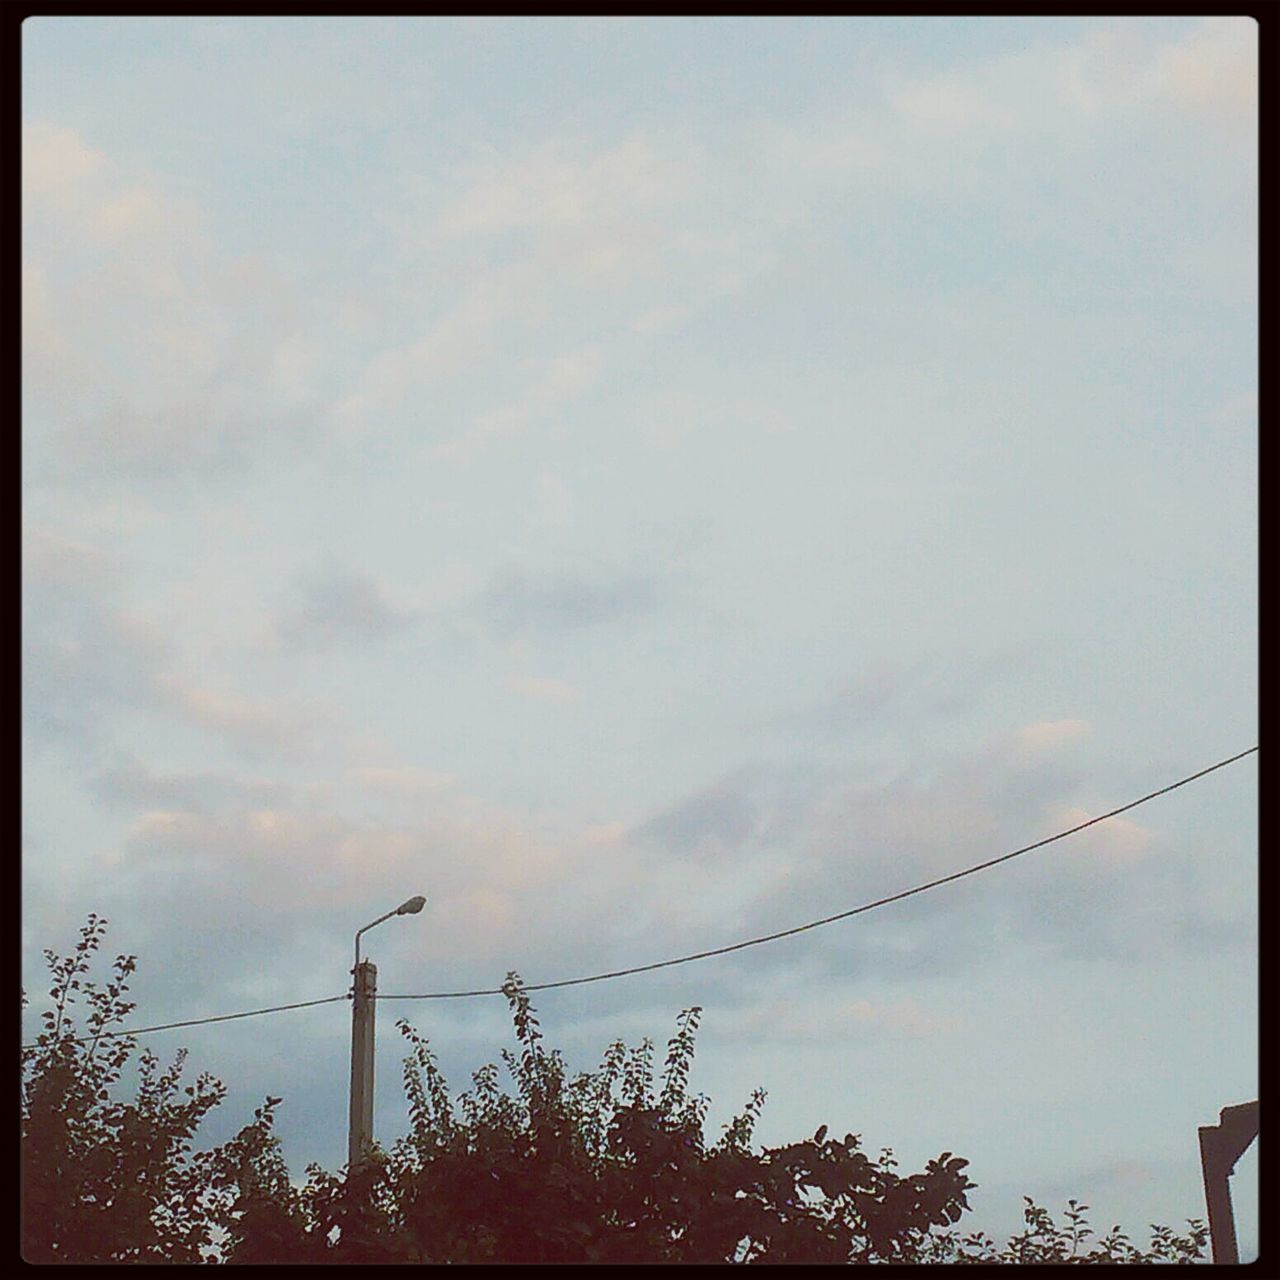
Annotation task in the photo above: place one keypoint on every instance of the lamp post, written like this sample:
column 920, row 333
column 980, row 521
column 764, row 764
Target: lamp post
column 364, row 994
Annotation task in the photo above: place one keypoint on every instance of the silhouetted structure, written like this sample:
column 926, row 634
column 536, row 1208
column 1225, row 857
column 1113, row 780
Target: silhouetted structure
column 1221, row 1145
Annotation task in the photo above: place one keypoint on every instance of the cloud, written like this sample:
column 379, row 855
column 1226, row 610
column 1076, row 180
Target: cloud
column 245, row 873
column 46, row 557
column 711, row 822
column 458, row 342
column 954, row 104
column 79, row 193
column 1116, row 842
column 604, row 835
column 1112, row 70
column 247, row 722
column 406, row 780
column 1048, row 735
column 47, row 360
column 914, row 131
column 301, row 863
column 549, row 189
column 860, row 703
column 815, row 841
column 555, row 381
column 542, row 688
column 84, row 658
column 661, row 319
column 56, row 160
column 888, row 697
column 904, row 1017
column 195, row 435
column 66, row 180
column 256, row 876
column 789, row 1022
column 342, row 608
column 294, row 364
column 1213, row 73
column 460, row 338
column 519, row 598
column 568, row 245
column 550, row 252
column 88, row 663
column 151, row 358
column 132, row 785
column 323, row 854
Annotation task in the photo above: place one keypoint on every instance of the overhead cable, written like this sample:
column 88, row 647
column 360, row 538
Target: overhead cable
column 842, row 915
column 197, row 1022
column 700, row 955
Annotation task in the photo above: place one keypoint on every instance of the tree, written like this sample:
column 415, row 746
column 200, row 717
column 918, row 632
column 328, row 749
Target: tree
column 105, row 1180
column 608, row 1166
column 612, row 1166
column 1045, row 1241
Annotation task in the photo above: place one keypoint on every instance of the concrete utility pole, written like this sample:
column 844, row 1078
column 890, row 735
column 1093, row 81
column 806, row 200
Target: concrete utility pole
column 364, row 997
column 1221, row 1145
column 364, row 1001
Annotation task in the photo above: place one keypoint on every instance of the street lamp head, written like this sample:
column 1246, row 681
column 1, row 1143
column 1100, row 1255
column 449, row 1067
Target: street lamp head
column 412, row 907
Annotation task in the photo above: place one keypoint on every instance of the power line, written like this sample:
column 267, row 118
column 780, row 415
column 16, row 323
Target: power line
column 699, row 955
column 197, row 1022
column 843, row 915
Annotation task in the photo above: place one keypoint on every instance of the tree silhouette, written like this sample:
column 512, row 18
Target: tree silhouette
column 608, row 1166
column 105, row 1180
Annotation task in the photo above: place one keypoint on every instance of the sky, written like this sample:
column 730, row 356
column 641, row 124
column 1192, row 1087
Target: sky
column 645, row 484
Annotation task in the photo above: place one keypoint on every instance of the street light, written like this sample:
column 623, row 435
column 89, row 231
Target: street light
column 409, row 908
column 364, row 993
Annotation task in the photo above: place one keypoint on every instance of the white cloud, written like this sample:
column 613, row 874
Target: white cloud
column 1117, row 842
column 553, row 383
column 486, row 871
column 549, row 189
column 160, row 354
column 1213, row 72
column 459, row 339
column 918, row 128
column 542, row 688
column 51, row 558
column 405, row 780
column 563, row 248
column 1114, row 69
column 659, row 319
column 1047, row 735
column 67, row 180
column 954, row 104
column 56, row 160
column 293, row 366
column 137, row 211
column 46, row 356
column 249, row 721
column 604, row 834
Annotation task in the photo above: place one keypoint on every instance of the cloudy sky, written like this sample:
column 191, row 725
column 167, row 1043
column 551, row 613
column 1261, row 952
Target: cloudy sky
column 647, row 484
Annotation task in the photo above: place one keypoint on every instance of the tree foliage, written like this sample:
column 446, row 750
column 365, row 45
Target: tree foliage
column 105, row 1180
column 608, row 1166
